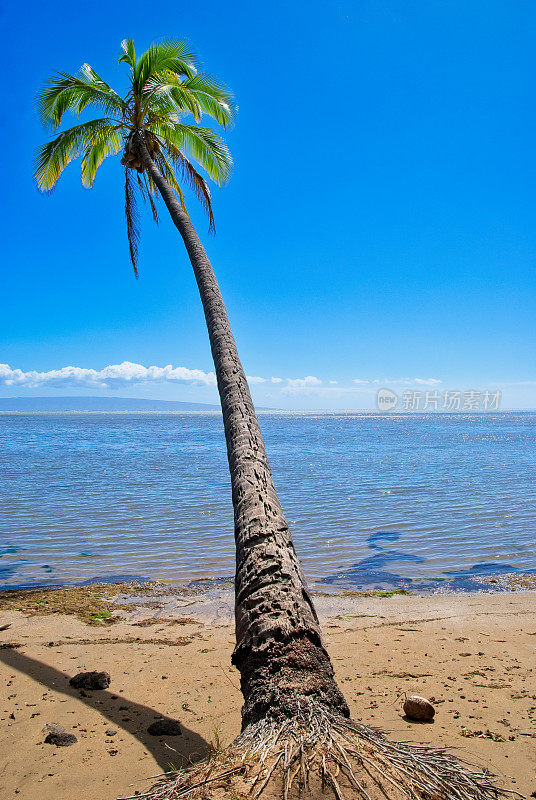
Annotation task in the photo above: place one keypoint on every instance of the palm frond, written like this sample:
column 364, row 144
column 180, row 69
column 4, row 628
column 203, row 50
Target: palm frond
column 66, row 92
column 152, row 203
column 167, row 93
column 212, row 97
column 52, row 157
column 202, row 144
column 166, row 56
column 146, row 194
column 132, row 218
column 128, row 53
column 169, row 174
column 106, row 142
column 195, row 181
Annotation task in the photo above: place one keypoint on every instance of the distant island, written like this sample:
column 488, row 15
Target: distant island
column 98, row 404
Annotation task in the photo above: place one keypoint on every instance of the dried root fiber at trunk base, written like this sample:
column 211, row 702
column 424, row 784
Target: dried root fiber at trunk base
column 318, row 755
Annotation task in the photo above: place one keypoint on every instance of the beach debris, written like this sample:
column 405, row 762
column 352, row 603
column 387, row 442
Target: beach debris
column 57, row 735
column 91, row 680
column 418, row 708
column 487, row 734
column 165, row 727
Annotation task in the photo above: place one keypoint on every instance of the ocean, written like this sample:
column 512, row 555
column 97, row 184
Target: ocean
column 373, row 501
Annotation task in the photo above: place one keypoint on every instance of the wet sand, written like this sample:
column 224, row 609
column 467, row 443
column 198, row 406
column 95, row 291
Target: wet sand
column 169, row 655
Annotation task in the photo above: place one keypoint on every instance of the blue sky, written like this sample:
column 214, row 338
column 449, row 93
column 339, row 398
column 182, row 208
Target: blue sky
column 379, row 228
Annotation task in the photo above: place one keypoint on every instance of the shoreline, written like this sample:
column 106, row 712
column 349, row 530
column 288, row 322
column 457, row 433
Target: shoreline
column 490, row 583
column 168, row 650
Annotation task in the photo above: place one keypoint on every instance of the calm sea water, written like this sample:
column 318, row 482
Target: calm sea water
column 372, row 500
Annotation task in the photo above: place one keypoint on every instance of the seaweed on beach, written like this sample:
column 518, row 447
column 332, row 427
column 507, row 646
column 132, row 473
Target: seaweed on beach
column 93, row 604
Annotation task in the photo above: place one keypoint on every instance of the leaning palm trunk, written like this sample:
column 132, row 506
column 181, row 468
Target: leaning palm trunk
column 296, row 733
column 279, row 650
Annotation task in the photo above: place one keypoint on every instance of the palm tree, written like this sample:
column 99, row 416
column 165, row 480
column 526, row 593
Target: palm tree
column 294, row 717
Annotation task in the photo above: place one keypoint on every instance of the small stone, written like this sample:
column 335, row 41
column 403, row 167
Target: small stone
column 91, row 680
column 53, row 727
column 418, row 708
column 165, row 727
column 111, row 732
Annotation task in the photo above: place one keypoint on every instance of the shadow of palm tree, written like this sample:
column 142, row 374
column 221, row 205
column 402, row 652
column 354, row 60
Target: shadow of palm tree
column 126, row 714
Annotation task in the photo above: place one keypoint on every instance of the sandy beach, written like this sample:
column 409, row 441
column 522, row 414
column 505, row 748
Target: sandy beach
column 168, row 653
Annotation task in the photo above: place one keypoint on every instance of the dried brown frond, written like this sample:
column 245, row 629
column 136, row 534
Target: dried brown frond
column 194, row 181
column 132, row 218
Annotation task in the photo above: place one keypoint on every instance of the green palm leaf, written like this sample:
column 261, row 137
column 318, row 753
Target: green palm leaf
column 167, row 95
column 202, row 144
column 198, row 95
column 107, row 142
column 74, row 93
column 128, row 53
column 167, row 56
column 52, row 157
column 213, row 98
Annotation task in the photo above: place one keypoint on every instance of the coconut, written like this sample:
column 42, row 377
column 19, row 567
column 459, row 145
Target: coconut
column 419, row 708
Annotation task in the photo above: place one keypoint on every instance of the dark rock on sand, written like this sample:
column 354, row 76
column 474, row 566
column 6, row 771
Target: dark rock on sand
column 110, row 732
column 91, row 680
column 165, row 727
column 58, row 735
column 61, row 739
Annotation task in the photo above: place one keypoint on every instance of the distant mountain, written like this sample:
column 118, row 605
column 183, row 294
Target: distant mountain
column 98, row 404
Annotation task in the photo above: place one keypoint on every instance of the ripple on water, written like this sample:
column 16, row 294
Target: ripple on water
column 372, row 500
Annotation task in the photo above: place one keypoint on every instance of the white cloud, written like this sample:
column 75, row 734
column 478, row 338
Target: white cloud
column 309, row 380
column 112, row 376
column 398, row 381
column 128, row 373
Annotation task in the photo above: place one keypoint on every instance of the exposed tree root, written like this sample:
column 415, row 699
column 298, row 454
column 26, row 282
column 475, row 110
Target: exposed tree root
column 318, row 754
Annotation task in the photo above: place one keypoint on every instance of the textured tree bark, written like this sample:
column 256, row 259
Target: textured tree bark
column 279, row 650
